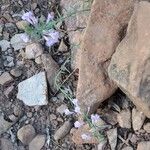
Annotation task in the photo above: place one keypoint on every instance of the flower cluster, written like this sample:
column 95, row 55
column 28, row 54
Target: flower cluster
column 95, row 118
column 51, row 36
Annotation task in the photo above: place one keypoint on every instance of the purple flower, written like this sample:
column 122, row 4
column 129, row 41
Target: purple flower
column 25, row 37
column 29, row 16
column 68, row 112
column 95, row 118
column 77, row 110
column 75, row 102
column 85, row 136
column 51, row 37
column 78, row 124
column 50, row 17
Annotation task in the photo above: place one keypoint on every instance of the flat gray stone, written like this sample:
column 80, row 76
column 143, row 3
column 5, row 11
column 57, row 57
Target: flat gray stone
column 33, row 91
column 17, row 42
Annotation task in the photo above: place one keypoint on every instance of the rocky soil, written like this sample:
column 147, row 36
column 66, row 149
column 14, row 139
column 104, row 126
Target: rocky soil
column 95, row 79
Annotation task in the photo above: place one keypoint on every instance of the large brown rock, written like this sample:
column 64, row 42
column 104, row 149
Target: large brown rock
column 77, row 12
column 102, row 36
column 75, row 24
column 130, row 64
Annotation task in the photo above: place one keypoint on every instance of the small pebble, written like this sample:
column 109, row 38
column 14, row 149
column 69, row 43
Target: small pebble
column 26, row 134
column 12, row 118
column 63, row 130
column 29, row 114
column 38, row 60
column 61, row 109
column 22, row 24
column 53, row 117
column 37, row 143
column 5, row 78
column 17, row 72
column 18, row 110
column 60, row 119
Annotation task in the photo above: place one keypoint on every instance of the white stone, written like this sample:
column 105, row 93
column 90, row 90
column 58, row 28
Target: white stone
column 4, row 44
column 33, row 91
column 17, row 42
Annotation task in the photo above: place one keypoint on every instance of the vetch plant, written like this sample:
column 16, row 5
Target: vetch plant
column 92, row 122
column 37, row 30
column 47, row 30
